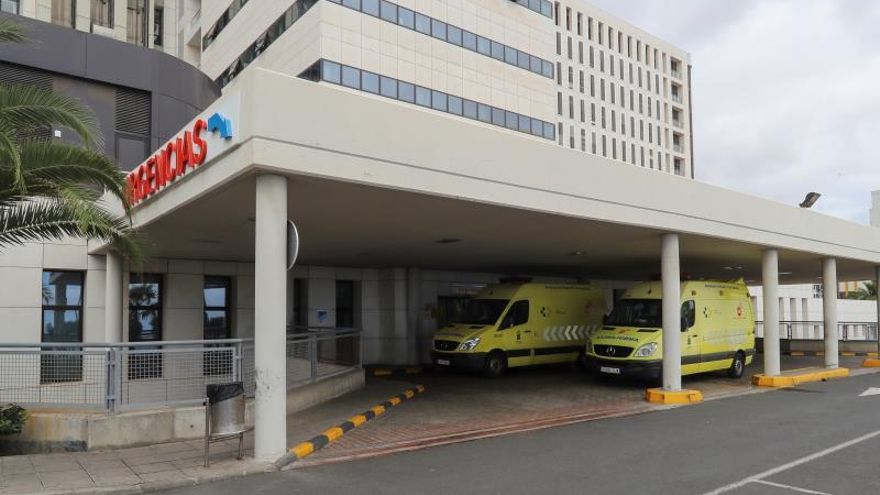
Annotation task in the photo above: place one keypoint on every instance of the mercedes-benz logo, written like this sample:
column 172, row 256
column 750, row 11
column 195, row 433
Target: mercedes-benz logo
column 611, row 351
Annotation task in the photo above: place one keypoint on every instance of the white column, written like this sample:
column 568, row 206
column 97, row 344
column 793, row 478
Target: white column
column 829, row 308
column 671, row 275
column 270, row 271
column 413, row 314
column 113, row 298
column 877, row 289
column 770, row 281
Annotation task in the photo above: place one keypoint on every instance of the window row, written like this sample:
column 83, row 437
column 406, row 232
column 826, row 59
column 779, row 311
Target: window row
column 222, row 22
column 607, row 36
column 636, row 76
column 351, row 77
column 282, row 24
column 625, row 152
column 62, row 296
column 543, row 7
column 440, row 30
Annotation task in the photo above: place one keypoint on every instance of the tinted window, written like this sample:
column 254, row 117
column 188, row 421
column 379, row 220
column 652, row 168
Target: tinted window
column 497, row 50
column 423, row 96
column 518, row 314
column 389, row 11
column 509, row 55
column 482, row 311
column 438, row 100
column 423, row 23
column 511, row 121
column 470, row 109
column 498, row 116
column 406, row 92
column 483, row 46
column 688, row 315
column 371, row 7
column 370, row 82
column 469, row 40
column 406, row 18
column 62, row 295
column 484, row 112
column 454, row 35
column 354, row 4
column 388, row 87
column 637, row 313
column 351, row 77
column 455, row 105
column 438, row 29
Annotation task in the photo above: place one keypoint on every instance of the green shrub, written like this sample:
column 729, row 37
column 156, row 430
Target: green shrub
column 12, row 418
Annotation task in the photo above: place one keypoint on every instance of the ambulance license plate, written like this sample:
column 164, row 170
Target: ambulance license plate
column 443, row 362
column 609, row 369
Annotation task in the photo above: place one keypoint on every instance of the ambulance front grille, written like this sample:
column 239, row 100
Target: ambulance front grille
column 617, row 351
column 445, row 345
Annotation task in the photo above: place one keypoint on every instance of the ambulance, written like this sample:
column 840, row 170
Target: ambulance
column 717, row 331
column 520, row 324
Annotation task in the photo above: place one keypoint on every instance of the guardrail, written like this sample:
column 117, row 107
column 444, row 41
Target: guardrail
column 136, row 375
column 856, row 331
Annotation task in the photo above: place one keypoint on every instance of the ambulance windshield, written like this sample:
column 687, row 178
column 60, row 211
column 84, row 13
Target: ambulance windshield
column 482, row 311
column 644, row 313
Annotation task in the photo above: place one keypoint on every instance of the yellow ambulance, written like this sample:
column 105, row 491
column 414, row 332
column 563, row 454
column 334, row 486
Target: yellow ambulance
column 717, row 331
column 520, row 324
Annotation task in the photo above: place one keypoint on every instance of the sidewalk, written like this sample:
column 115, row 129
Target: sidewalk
column 168, row 465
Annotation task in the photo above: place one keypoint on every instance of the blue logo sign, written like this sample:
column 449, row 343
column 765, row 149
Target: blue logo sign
column 218, row 122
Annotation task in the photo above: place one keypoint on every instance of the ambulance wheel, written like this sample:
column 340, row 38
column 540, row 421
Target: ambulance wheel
column 738, row 366
column 495, row 365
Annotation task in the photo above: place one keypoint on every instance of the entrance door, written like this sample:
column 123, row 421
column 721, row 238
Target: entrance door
column 690, row 339
column 517, row 334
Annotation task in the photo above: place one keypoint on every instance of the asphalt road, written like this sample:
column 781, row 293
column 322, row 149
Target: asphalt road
column 819, row 438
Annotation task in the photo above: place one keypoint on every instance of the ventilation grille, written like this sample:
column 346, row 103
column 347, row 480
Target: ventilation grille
column 133, row 111
column 16, row 74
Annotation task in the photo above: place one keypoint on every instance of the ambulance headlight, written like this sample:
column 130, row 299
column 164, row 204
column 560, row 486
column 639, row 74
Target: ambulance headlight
column 468, row 345
column 646, row 350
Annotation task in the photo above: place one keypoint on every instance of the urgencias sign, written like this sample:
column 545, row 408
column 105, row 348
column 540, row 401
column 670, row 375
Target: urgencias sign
column 186, row 152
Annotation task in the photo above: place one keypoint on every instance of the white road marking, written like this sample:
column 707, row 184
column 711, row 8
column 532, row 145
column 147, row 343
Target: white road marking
column 789, row 487
column 870, row 391
column 792, row 464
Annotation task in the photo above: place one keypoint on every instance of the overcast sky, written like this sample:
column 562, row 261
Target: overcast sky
column 786, row 93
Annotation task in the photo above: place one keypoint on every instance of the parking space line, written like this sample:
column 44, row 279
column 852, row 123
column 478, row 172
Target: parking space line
column 789, row 487
column 793, row 464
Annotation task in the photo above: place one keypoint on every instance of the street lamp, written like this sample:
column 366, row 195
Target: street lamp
column 810, row 200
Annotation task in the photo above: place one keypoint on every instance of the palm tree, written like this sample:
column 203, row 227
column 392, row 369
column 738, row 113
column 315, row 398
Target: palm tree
column 51, row 189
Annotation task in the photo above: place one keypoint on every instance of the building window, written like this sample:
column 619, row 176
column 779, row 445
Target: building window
column 11, row 6
column 62, row 295
column 102, row 13
column 144, row 324
column 63, row 13
column 217, row 324
column 345, row 304
column 136, row 22
column 300, row 304
column 158, row 26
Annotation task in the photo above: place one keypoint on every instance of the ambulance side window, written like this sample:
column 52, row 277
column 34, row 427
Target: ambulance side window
column 518, row 314
column 688, row 315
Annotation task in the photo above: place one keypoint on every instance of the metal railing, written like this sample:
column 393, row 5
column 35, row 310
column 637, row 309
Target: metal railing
column 848, row 331
column 135, row 375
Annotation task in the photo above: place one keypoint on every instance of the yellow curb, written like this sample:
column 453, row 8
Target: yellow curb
column 847, row 353
column 793, row 379
column 334, row 433
column 381, row 372
column 797, row 353
column 413, row 370
column 872, row 354
column 378, row 410
column 302, row 450
column 662, row 396
column 871, row 363
column 358, row 420
column 420, row 388
column 820, row 353
column 409, row 394
column 394, row 401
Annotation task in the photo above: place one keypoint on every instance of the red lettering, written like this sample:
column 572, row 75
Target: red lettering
column 142, row 181
column 199, row 158
column 130, row 189
column 182, row 152
column 151, row 175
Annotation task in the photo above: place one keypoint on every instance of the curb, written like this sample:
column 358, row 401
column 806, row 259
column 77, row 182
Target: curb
column 409, row 370
column 330, row 435
column 822, row 353
column 795, row 379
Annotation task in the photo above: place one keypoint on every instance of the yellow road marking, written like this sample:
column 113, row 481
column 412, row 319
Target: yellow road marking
column 334, row 433
column 302, row 450
column 358, row 420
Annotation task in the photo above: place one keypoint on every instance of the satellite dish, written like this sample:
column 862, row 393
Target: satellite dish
column 292, row 244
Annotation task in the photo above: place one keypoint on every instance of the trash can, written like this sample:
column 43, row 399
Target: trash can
column 226, row 402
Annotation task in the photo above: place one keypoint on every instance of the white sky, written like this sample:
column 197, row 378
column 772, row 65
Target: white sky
column 786, row 93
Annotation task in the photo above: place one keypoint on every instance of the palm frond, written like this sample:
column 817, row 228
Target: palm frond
column 45, row 219
column 11, row 32
column 25, row 107
column 53, row 163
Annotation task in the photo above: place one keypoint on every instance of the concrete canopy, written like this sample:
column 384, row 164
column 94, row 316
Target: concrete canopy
column 378, row 183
